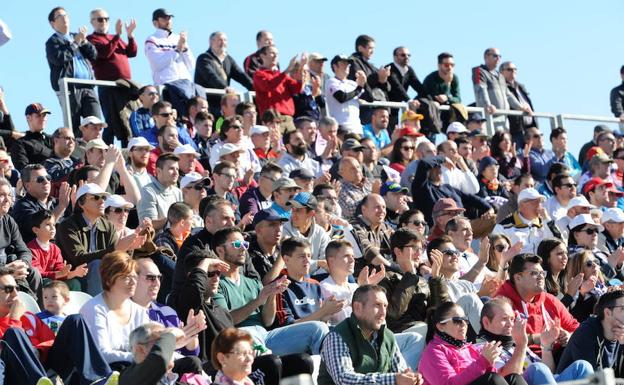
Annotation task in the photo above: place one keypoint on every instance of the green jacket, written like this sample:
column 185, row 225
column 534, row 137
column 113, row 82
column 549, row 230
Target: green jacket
column 73, row 237
column 364, row 356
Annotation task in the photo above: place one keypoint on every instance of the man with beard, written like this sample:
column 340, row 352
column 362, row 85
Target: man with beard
column 396, row 200
column 157, row 196
column 167, row 142
column 296, row 156
column 365, row 331
column 224, row 176
column 138, row 153
column 263, row 250
column 61, row 163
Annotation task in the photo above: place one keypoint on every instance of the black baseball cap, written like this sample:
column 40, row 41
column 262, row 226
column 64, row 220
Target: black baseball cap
column 161, row 12
column 338, row 58
column 267, row 215
column 302, row 173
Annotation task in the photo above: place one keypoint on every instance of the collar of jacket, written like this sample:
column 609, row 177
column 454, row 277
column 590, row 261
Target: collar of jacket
column 99, row 222
column 519, row 224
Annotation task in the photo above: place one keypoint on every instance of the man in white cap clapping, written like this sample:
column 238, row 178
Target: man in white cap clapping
column 613, row 235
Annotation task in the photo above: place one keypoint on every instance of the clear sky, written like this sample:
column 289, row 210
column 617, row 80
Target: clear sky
column 568, row 52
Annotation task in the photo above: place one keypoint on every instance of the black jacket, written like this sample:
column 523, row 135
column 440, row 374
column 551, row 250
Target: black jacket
column 407, row 300
column 617, row 100
column 517, row 123
column 34, row 147
column 399, row 84
column 60, row 54
column 359, row 63
column 24, row 209
column 12, row 247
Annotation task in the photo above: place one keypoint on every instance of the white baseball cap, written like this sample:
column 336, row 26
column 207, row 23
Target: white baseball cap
column 258, row 130
column 91, row 188
column 139, row 141
column 229, row 148
column 579, row 201
column 584, row 219
column 117, row 201
column 191, row 177
column 92, row 120
column 185, row 149
column 456, row 127
column 613, row 214
column 97, row 143
column 529, row 194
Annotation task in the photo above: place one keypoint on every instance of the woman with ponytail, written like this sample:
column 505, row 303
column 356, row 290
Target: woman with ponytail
column 449, row 359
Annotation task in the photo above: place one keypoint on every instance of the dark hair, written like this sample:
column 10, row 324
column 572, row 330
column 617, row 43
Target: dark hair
column 178, row 211
column 622, row 70
column 518, row 180
column 227, row 123
column 437, row 314
column 37, row 218
column 401, row 237
column 58, row 285
column 286, row 136
column 270, row 167
column 557, row 181
column 57, row 133
column 263, row 50
column 226, row 96
column 361, row 293
column 161, row 130
column 556, row 169
column 269, row 115
column 497, row 138
column 403, row 218
column 28, row 170
column 362, row 41
column 194, row 101
column 461, row 140
column 164, row 157
column 543, row 251
column 453, row 224
column 319, row 188
column 145, row 87
column 203, row 116
column 394, row 51
column 556, row 132
column 617, row 151
column 527, row 132
column 571, row 238
column 221, row 236
column 435, row 243
column 300, row 121
column 290, row 244
column 224, row 343
column 53, row 12
column 80, row 174
column 489, row 306
column 158, row 106
column 5, row 271
column 493, row 263
column 517, row 264
column 115, row 265
column 242, row 107
column 260, row 33
column 607, row 301
column 442, row 56
column 396, row 156
column 222, row 165
column 335, row 245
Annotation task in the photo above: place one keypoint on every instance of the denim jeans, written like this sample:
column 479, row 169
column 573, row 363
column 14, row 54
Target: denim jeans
column 539, row 374
column 93, row 278
column 304, row 337
column 411, row 346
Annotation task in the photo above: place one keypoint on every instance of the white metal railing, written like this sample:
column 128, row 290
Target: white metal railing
column 64, row 89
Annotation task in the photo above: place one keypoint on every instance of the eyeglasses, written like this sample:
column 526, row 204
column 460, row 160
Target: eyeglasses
column 242, row 354
column 165, row 114
column 416, row 248
column 591, row 263
column 237, row 244
column 590, row 231
column 405, row 55
column 197, row 187
column 129, row 279
column 59, row 15
column 536, row 273
column 67, row 138
column 237, row 127
column 418, row 223
column 448, row 64
column 232, row 176
column 511, row 69
column 8, row 289
column 43, row 178
column 407, row 148
column 569, row 185
column 153, row 93
column 101, row 19
column 212, row 274
column 607, row 139
column 456, row 321
column 500, row 248
column 119, row 210
column 153, row 277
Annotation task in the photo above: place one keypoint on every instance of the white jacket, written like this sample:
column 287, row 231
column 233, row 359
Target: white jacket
column 167, row 64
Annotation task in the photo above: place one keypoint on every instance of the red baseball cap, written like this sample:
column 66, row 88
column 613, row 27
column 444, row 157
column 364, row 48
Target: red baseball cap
column 595, row 182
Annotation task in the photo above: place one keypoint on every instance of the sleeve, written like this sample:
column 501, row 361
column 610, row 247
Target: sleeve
column 335, row 354
column 18, row 155
column 6, row 322
column 206, row 76
column 77, row 253
column 265, row 82
column 189, row 60
column 192, row 292
column 415, row 83
column 105, row 49
column 283, row 313
column 58, row 52
column 581, row 346
column 479, row 82
column 154, row 367
column 514, row 103
column 397, row 87
column 568, row 322
column 87, row 50
column 455, row 93
column 469, row 183
column 616, row 102
column 96, row 319
column 400, row 295
column 147, row 205
column 17, row 243
column 473, row 201
column 158, row 57
column 240, row 76
column 56, row 258
column 343, row 97
column 435, row 365
column 131, row 48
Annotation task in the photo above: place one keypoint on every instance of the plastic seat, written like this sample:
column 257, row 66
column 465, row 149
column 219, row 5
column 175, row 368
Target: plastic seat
column 31, row 304
column 76, row 300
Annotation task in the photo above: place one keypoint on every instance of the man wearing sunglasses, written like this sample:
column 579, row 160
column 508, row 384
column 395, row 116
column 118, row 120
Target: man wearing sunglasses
column 526, row 291
column 396, row 198
column 37, row 184
column 259, row 197
column 443, row 85
column 111, row 63
column 540, row 158
column 141, row 120
column 613, row 236
column 564, row 189
column 62, row 162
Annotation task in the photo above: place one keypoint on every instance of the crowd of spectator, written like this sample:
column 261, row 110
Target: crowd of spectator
column 230, row 241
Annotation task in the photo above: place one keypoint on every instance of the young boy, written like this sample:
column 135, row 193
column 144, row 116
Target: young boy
column 55, row 298
column 47, row 256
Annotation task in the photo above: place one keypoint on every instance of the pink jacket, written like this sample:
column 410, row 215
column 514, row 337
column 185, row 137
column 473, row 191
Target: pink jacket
column 445, row 364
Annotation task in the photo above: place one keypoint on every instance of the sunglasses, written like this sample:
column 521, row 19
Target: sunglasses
column 8, row 289
column 569, row 185
column 43, row 178
column 153, row 93
column 237, row 244
column 591, row 263
column 153, row 277
column 212, row 274
column 418, row 223
column 197, row 187
column 448, row 64
column 165, row 114
column 119, row 210
column 231, row 176
column 456, row 320
column 450, row 252
column 102, row 19
column 590, row 231
column 408, row 148
column 97, row 197
column 500, row 248
column 537, row 273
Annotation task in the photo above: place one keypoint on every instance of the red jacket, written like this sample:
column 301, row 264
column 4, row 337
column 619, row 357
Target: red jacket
column 534, row 310
column 275, row 89
column 40, row 335
column 111, row 62
column 48, row 262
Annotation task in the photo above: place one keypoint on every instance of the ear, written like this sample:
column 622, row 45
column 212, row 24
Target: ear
column 221, row 358
column 397, row 251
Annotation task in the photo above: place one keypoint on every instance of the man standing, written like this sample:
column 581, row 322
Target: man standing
column 517, row 124
column 215, row 68
column 35, row 146
column 491, row 90
column 342, row 96
column 617, row 98
column 171, row 59
column 402, row 77
column 253, row 62
column 365, row 332
column 68, row 56
column 157, row 196
column 112, row 64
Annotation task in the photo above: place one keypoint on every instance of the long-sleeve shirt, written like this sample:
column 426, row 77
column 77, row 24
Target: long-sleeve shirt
column 465, row 181
column 49, row 261
column 168, row 64
column 40, row 335
column 435, row 85
column 490, row 88
column 12, row 247
column 82, row 243
column 111, row 62
column 617, row 100
column 275, row 89
column 154, row 367
column 156, row 199
column 112, row 338
column 540, row 161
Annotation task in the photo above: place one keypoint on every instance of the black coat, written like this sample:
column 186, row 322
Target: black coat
column 60, row 54
column 516, row 123
column 399, row 84
column 359, row 63
column 34, row 147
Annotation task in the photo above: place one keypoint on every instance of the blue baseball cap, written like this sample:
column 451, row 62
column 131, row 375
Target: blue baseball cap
column 303, row 199
column 392, row 187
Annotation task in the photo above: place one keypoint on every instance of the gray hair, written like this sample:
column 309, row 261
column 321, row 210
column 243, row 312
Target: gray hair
column 503, row 66
column 96, row 11
column 28, row 170
column 143, row 334
column 328, row 121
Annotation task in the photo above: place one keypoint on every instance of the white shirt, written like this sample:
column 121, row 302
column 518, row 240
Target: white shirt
column 329, row 288
column 464, row 181
column 347, row 114
column 554, row 209
column 288, row 163
column 167, row 64
column 530, row 236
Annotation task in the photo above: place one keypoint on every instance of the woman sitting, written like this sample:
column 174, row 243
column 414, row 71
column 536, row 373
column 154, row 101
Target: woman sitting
column 490, row 185
column 505, row 153
column 402, row 154
column 233, row 355
column 449, row 360
column 554, row 254
column 585, row 269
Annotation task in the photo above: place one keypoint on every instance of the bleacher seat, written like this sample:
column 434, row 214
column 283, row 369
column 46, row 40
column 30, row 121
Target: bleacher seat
column 31, row 304
column 76, row 300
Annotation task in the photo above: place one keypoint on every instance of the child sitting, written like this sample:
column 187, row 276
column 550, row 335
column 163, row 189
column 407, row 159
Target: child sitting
column 55, row 298
column 47, row 256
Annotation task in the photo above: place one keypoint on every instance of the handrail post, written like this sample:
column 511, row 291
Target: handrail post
column 559, row 120
column 64, row 89
column 489, row 123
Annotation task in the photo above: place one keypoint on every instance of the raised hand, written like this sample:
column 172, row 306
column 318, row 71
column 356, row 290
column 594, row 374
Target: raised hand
column 130, row 27
column 118, row 27
column 575, row 284
column 436, row 262
column 360, row 78
column 78, row 272
column 491, row 351
column 484, row 251
column 518, row 332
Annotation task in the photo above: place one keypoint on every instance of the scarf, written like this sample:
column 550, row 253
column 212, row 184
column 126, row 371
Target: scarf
column 507, row 342
column 451, row 340
column 519, row 224
column 222, row 379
